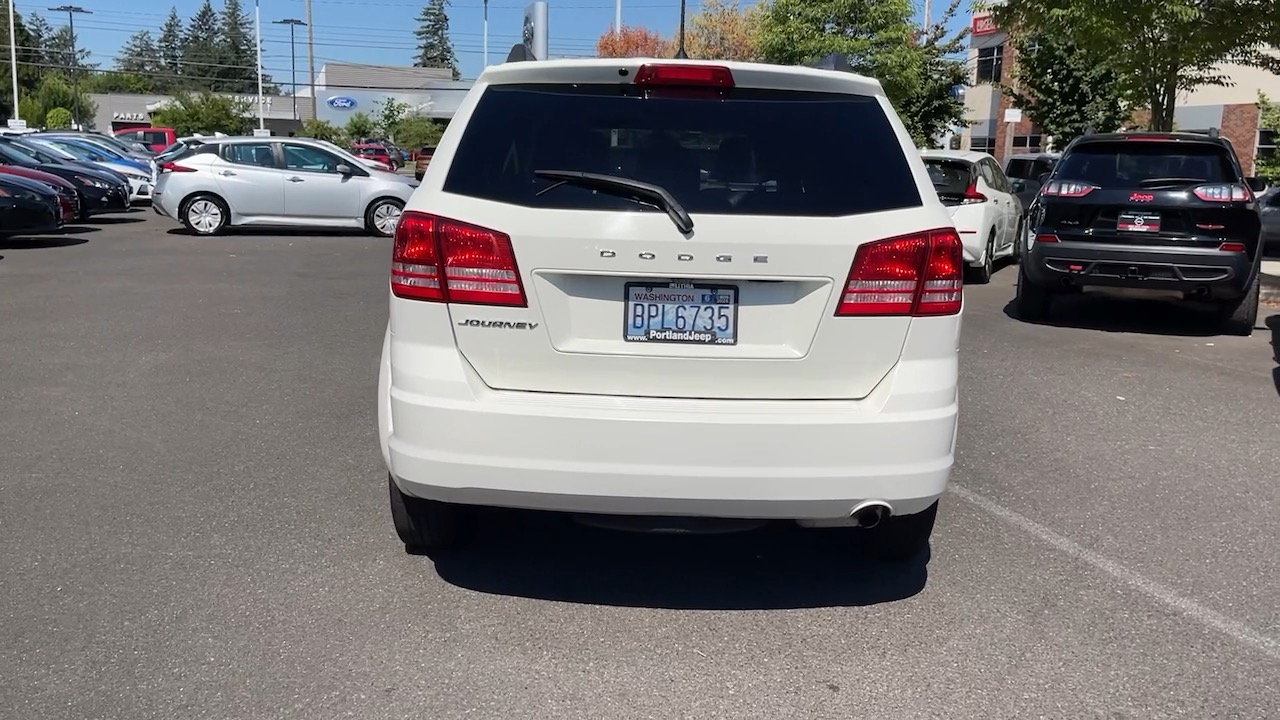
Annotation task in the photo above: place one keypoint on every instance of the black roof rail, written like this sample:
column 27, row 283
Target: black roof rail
column 520, row 53
column 1089, row 130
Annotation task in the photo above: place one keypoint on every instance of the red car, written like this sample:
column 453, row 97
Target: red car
column 68, row 199
column 156, row 138
column 372, row 151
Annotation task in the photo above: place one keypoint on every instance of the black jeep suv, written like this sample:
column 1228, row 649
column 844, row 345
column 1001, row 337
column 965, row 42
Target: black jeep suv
column 1159, row 211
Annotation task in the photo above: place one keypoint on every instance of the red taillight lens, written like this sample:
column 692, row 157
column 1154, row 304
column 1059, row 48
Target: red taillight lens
column 1234, row 247
column 972, row 196
column 1224, row 193
column 685, row 76
column 1066, row 189
column 174, row 167
column 1046, row 238
column 911, row 275
column 444, row 260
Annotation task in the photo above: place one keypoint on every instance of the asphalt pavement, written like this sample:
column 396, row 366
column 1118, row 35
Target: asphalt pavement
column 194, row 524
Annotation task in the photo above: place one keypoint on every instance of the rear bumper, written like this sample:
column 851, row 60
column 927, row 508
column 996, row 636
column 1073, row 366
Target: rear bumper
column 447, row 437
column 1224, row 275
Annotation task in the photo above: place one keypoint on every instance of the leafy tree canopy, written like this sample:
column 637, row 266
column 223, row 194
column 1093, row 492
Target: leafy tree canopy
column 1157, row 48
column 205, row 113
column 1066, row 90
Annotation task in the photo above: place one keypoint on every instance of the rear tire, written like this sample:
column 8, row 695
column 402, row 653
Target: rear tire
column 981, row 275
column 382, row 216
column 205, row 214
column 1239, row 316
column 1032, row 302
column 902, row 537
column 428, row 526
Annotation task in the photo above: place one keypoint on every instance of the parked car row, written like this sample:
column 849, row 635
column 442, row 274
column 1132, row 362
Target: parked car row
column 50, row 179
column 211, row 184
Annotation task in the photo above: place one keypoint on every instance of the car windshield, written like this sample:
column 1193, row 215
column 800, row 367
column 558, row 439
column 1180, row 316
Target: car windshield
column 40, row 153
column 720, row 156
column 13, row 157
column 1127, row 164
column 950, row 177
column 74, row 151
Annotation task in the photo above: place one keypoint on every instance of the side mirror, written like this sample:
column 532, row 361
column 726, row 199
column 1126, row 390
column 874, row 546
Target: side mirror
column 1256, row 184
column 344, row 169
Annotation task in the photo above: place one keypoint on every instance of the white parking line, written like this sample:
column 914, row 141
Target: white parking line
column 1189, row 608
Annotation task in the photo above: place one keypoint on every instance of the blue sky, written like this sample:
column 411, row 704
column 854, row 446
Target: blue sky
column 378, row 32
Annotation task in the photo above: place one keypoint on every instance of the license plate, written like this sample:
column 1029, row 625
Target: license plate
column 1143, row 222
column 681, row 312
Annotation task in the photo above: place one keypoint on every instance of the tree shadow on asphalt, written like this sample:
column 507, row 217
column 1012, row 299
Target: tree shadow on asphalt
column 1117, row 313
column 42, row 242
column 547, row 556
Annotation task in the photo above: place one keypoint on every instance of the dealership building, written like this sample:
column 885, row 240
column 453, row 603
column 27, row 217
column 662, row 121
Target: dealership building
column 999, row 128
column 342, row 90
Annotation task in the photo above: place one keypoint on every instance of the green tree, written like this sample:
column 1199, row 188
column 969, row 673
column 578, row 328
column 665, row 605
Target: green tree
column 878, row 38
column 360, row 126
column 238, row 54
column 323, row 130
column 120, row 82
column 55, row 91
column 30, row 109
column 389, row 114
column 202, row 49
column 205, row 113
column 1065, row 90
column 29, row 60
column 435, row 49
column 41, row 39
column 170, row 49
column 57, row 118
column 416, row 132
column 1157, row 48
column 66, row 52
column 1269, row 119
column 139, row 57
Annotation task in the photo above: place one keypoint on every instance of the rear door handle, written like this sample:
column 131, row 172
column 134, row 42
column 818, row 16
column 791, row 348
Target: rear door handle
column 295, row 179
column 226, row 173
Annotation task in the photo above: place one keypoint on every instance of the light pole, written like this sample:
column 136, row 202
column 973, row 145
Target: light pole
column 311, row 61
column 617, row 19
column 13, row 61
column 72, row 64
column 681, row 54
column 293, row 24
column 486, row 33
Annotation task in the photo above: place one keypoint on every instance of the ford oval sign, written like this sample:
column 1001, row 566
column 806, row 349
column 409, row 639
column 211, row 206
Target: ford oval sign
column 342, row 103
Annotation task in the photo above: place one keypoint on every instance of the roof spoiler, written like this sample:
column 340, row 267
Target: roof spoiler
column 520, row 53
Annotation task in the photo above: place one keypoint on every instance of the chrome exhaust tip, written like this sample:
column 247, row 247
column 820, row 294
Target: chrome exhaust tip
column 870, row 514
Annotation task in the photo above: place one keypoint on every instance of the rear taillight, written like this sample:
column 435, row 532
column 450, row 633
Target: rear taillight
column 442, row 260
column 1066, row 188
column 921, row 274
column 972, row 196
column 1224, row 193
column 175, row 167
column 1046, row 238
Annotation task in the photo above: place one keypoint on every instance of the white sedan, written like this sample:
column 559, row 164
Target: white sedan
column 982, row 203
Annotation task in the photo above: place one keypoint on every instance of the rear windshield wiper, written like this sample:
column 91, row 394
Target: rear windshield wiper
column 1169, row 182
column 633, row 190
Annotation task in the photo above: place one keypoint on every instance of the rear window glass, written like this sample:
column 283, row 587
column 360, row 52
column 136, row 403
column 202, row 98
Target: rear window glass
column 950, row 177
column 1128, row 164
column 1028, row 169
column 155, row 138
column 756, row 152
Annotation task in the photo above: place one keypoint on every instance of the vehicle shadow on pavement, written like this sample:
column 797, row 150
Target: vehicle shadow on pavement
column 281, row 232
column 1273, row 323
column 116, row 219
column 39, row 243
column 547, row 556
column 1117, row 313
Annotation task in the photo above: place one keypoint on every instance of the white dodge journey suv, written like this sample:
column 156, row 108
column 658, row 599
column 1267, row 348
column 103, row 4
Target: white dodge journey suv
column 672, row 289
